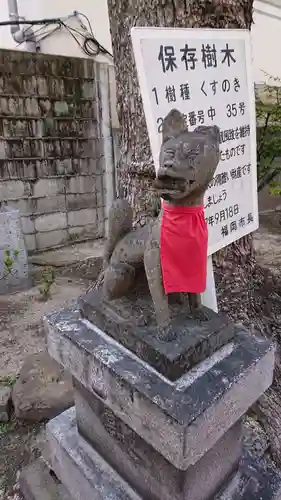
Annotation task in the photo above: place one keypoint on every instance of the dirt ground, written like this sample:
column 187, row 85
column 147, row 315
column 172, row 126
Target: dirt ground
column 21, row 333
column 21, row 328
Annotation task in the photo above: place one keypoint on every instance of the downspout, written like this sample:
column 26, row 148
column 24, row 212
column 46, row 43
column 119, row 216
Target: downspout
column 19, row 34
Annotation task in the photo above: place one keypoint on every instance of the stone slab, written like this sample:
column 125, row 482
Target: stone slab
column 131, row 322
column 85, row 475
column 182, row 420
column 146, row 470
column 37, row 483
column 255, row 480
column 42, row 390
column 70, row 254
column 5, row 403
column 11, row 238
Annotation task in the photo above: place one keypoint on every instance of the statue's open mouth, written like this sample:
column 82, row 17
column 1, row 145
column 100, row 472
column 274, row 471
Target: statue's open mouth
column 167, row 184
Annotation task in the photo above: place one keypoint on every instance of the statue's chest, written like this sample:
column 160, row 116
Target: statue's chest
column 183, row 249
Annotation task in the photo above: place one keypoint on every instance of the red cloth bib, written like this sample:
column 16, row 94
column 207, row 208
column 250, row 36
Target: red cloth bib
column 183, row 249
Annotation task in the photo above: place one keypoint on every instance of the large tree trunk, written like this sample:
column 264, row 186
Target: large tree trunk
column 241, row 285
column 135, row 169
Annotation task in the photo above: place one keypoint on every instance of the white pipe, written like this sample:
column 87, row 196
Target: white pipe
column 13, row 15
column 106, row 135
column 18, row 34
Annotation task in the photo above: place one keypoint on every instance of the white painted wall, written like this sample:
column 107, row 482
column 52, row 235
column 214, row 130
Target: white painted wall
column 61, row 42
column 266, row 39
column 266, row 31
column 6, row 41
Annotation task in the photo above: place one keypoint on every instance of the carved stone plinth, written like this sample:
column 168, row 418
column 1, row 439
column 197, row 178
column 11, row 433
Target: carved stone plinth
column 131, row 321
column 142, row 466
column 138, row 432
column 89, row 476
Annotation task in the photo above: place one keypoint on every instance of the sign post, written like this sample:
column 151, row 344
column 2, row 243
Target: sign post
column 206, row 74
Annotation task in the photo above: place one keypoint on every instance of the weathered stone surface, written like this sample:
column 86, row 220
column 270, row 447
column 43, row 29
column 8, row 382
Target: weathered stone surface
column 36, row 483
column 30, row 242
column 43, row 389
column 181, row 420
column 27, row 225
column 5, row 403
column 131, row 322
column 48, row 204
column 50, row 136
column 82, row 217
column 90, row 231
column 81, row 201
column 50, row 222
column 255, row 439
column 11, row 238
column 85, row 474
column 255, row 480
column 51, row 239
column 146, row 470
column 48, row 187
column 81, row 184
column 11, row 189
column 181, row 180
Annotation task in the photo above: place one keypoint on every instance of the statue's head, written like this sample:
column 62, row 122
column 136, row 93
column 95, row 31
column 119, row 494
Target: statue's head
column 188, row 160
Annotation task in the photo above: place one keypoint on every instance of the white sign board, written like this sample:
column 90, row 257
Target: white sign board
column 206, row 74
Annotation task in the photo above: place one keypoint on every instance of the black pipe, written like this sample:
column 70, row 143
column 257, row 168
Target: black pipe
column 38, row 21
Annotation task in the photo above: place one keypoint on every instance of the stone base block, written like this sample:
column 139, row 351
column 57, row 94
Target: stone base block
column 37, row 483
column 87, row 476
column 146, row 470
column 131, row 321
column 255, row 480
column 11, row 239
column 5, row 404
column 183, row 419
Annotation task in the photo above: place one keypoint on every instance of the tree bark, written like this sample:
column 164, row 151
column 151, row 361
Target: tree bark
column 135, row 170
column 241, row 284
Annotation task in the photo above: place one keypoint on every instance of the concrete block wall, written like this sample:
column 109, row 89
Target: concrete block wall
column 52, row 160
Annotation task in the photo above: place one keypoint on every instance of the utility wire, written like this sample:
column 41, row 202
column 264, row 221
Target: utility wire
column 90, row 44
column 87, row 19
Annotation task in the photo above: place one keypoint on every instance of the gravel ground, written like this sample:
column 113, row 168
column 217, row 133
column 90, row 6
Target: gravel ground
column 252, row 297
column 22, row 333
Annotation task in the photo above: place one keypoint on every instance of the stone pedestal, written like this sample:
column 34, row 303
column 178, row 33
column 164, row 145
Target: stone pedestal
column 11, row 238
column 161, row 430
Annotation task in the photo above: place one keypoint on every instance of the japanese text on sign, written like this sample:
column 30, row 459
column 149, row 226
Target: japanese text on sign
column 206, row 74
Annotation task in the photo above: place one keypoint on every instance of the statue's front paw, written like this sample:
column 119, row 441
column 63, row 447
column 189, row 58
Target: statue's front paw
column 202, row 314
column 166, row 333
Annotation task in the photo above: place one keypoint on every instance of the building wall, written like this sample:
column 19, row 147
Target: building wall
column 63, row 43
column 53, row 146
column 266, row 43
column 266, row 40
column 266, row 32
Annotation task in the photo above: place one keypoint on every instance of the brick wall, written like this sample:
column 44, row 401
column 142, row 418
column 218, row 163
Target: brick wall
column 51, row 147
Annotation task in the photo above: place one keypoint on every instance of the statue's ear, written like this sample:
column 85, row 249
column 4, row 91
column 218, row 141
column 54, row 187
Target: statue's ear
column 173, row 124
column 211, row 131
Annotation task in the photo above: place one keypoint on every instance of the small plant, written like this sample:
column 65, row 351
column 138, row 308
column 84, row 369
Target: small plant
column 10, row 256
column 8, row 381
column 5, row 428
column 268, row 111
column 47, row 280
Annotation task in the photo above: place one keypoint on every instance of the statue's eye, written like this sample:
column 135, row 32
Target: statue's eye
column 169, row 153
column 185, row 148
